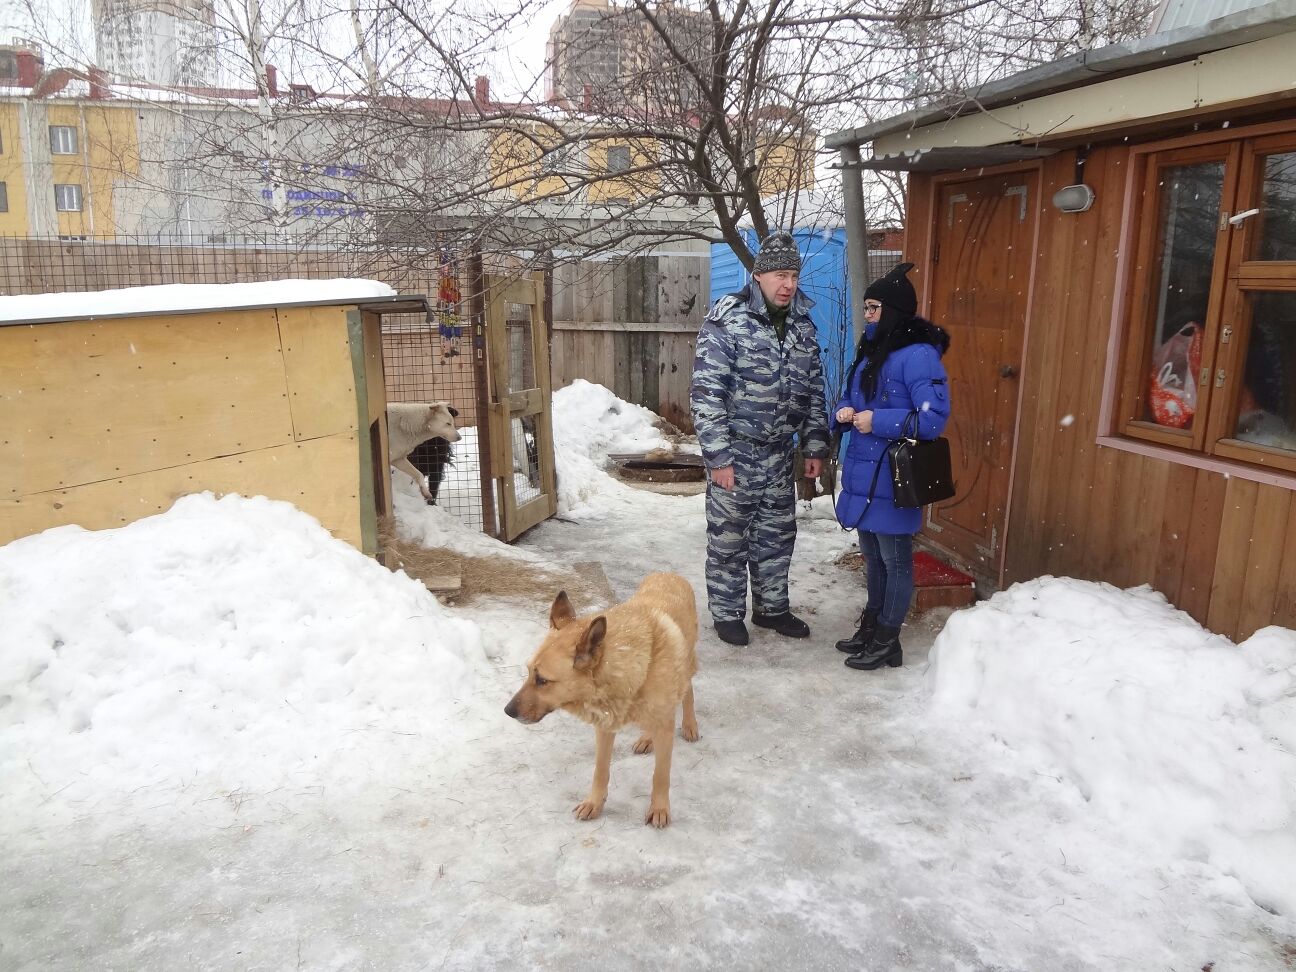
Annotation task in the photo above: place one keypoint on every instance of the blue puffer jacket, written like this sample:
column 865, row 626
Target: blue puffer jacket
column 748, row 385
column 912, row 378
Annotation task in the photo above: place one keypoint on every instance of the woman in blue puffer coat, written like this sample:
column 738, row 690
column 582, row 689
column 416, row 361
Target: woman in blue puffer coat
column 897, row 379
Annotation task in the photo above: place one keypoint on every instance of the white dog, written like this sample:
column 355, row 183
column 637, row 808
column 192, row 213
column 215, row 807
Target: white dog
column 411, row 423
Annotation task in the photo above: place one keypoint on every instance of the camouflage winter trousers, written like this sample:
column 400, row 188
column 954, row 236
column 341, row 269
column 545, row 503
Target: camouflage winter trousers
column 751, row 530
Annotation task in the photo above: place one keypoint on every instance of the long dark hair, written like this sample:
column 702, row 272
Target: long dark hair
column 873, row 353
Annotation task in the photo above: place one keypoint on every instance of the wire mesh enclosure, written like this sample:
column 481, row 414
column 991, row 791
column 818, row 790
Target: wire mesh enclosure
column 437, row 359
column 433, row 359
column 522, row 430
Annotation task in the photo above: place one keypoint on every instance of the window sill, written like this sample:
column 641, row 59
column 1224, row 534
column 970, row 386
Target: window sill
column 1237, row 470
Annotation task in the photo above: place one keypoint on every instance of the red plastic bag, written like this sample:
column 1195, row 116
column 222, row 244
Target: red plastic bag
column 1172, row 394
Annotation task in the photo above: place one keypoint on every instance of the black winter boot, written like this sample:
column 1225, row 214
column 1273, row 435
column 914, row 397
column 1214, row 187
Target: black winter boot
column 732, row 632
column 787, row 624
column 884, row 649
column 862, row 636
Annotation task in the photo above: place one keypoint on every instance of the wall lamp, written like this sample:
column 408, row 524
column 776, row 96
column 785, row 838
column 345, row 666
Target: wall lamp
column 1079, row 197
column 1073, row 199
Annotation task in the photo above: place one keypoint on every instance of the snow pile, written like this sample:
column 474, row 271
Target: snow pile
column 188, row 297
column 436, row 526
column 230, row 642
column 454, row 523
column 590, row 423
column 1176, row 736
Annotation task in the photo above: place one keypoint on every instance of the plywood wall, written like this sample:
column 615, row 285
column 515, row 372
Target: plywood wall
column 1221, row 548
column 425, row 362
column 110, row 421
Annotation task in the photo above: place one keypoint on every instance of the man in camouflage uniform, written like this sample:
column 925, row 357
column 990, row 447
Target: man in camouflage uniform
column 757, row 385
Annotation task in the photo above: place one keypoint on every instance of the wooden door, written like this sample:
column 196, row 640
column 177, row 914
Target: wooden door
column 521, row 394
column 981, row 260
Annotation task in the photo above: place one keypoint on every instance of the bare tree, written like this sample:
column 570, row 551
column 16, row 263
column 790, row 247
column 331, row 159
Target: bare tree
column 663, row 121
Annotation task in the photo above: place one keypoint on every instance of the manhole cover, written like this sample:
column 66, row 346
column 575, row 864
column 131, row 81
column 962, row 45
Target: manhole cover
column 660, row 471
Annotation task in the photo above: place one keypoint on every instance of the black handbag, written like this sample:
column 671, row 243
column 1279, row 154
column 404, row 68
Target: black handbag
column 921, row 471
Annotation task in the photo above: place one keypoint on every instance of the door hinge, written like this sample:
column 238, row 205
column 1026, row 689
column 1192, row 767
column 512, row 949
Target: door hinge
column 1226, row 334
column 1219, row 378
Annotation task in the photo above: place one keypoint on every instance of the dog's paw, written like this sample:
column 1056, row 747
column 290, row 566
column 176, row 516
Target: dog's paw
column 643, row 745
column 587, row 810
column 658, row 817
column 690, row 732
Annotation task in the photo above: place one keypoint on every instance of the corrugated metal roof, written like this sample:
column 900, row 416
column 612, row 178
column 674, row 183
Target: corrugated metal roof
column 1256, row 22
column 1175, row 14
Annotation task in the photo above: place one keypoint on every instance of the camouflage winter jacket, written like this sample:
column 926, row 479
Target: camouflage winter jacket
column 747, row 386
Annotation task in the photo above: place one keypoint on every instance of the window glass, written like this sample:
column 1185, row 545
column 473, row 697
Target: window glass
column 67, row 198
column 63, row 140
column 618, row 158
column 1277, row 233
column 1267, row 407
column 4, row 197
column 1188, row 210
column 554, row 160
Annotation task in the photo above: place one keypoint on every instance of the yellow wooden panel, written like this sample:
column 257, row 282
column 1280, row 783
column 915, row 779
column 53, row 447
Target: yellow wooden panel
column 317, row 361
column 320, row 477
column 86, row 401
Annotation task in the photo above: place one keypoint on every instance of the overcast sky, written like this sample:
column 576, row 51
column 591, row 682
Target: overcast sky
column 64, row 30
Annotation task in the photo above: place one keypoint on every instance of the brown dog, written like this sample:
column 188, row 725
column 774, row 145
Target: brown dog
column 631, row 665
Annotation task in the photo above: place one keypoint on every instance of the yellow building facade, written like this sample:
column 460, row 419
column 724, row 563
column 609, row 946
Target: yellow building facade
column 529, row 165
column 13, row 198
column 61, row 161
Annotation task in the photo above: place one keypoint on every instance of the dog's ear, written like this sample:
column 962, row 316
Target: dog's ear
column 561, row 612
column 454, row 412
column 590, row 648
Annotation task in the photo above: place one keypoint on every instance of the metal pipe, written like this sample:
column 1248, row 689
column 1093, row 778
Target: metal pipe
column 856, row 235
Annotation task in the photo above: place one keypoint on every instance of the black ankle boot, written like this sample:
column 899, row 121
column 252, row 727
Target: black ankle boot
column 884, row 649
column 862, row 636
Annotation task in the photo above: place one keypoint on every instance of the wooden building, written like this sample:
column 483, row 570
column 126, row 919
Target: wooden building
column 110, row 417
column 1111, row 241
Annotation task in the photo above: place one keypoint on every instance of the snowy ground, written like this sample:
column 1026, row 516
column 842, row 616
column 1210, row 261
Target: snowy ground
column 228, row 741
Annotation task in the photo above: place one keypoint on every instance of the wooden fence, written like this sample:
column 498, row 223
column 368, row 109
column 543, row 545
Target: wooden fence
column 632, row 327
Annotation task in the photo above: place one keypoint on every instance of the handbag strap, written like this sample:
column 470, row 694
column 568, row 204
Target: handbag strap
column 905, row 425
column 877, row 471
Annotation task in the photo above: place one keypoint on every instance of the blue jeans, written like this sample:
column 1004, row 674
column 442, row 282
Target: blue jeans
column 888, row 558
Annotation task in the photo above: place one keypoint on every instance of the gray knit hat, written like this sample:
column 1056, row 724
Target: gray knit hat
column 778, row 251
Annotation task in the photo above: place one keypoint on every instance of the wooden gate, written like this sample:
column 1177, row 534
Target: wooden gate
column 521, row 425
column 981, row 273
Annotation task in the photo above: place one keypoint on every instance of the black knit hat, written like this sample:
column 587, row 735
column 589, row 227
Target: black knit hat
column 894, row 290
column 778, row 251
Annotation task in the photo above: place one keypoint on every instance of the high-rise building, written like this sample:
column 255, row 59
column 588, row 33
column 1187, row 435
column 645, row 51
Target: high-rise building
column 602, row 56
column 584, row 49
column 168, row 42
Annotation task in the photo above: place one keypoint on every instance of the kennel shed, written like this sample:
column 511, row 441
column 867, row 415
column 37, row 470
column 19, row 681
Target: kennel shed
column 114, row 404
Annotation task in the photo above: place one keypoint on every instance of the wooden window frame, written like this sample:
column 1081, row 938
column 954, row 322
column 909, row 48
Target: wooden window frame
column 629, row 159
column 55, row 140
column 1233, row 278
column 80, row 198
column 1245, row 277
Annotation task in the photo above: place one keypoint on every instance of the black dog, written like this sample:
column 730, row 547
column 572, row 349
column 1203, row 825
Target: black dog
column 431, row 459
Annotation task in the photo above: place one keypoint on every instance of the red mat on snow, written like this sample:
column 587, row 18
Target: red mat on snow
column 930, row 571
